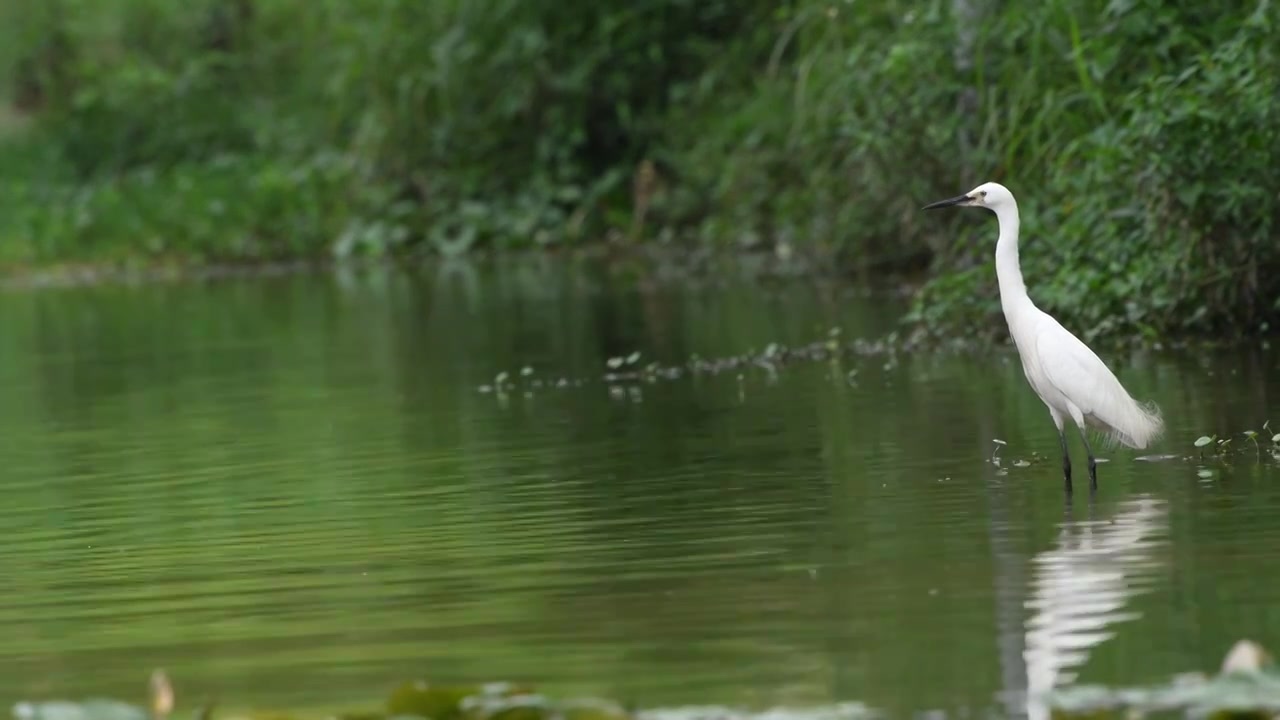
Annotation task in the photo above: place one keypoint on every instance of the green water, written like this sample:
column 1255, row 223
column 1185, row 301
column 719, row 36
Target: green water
column 291, row 492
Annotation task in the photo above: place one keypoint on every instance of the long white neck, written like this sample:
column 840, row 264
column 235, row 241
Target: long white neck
column 1008, row 272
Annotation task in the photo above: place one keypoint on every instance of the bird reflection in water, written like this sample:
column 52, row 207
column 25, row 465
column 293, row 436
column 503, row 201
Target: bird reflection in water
column 1080, row 587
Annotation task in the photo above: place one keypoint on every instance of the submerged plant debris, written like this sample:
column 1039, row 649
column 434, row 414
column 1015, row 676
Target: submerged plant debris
column 768, row 361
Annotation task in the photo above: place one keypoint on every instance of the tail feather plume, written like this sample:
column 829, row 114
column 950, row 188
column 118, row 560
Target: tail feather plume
column 1129, row 422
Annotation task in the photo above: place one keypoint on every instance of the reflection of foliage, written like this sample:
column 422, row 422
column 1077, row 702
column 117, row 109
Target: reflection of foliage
column 272, row 476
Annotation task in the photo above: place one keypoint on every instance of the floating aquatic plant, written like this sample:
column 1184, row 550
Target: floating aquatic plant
column 423, row 700
column 995, row 451
column 774, row 358
column 1253, row 437
column 1246, row 687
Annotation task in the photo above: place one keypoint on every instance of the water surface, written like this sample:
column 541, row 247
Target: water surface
column 293, row 492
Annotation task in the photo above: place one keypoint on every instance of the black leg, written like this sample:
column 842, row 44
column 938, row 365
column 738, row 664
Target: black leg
column 1093, row 464
column 1066, row 461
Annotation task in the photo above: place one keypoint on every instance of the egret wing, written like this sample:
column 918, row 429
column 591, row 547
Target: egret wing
column 1073, row 369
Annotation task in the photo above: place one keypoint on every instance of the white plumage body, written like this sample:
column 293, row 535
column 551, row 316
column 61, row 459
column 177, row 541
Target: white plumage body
column 1073, row 382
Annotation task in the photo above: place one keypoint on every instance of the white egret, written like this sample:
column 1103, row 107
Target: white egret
column 1069, row 377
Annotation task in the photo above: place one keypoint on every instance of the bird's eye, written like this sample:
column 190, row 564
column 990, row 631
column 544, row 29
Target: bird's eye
column 983, row 193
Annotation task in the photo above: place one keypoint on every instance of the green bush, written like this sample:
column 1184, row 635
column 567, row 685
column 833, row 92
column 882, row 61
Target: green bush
column 497, row 121
column 1137, row 134
column 510, row 121
column 1161, row 219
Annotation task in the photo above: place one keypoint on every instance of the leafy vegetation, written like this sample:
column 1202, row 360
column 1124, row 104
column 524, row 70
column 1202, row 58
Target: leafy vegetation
column 1140, row 137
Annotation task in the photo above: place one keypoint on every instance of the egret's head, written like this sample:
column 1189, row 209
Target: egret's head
column 992, row 196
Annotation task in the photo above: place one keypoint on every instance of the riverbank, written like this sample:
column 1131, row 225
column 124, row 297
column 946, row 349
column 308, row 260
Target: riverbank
column 650, row 269
column 649, row 264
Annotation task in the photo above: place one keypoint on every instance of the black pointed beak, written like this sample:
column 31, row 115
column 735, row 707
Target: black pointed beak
column 948, row 202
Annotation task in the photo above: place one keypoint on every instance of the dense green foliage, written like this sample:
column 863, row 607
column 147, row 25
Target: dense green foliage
column 1140, row 137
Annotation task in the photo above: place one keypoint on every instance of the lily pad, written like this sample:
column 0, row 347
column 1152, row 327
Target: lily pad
column 443, row 702
column 1247, row 687
column 1234, row 693
column 538, row 707
column 519, row 707
column 590, row 709
column 93, row 709
column 265, row 715
column 842, row 711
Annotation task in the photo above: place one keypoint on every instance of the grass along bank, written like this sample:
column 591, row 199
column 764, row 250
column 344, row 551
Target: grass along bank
column 1139, row 136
